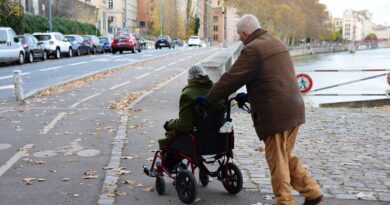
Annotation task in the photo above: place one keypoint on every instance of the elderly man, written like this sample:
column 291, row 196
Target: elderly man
column 265, row 67
column 199, row 83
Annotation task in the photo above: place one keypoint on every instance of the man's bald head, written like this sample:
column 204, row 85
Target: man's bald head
column 247, row 24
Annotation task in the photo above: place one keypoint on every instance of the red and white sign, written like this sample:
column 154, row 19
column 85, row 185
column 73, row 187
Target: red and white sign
column 305, row 83
column 388, row 78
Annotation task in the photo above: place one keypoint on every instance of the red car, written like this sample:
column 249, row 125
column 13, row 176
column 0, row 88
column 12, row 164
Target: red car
column 125, row 42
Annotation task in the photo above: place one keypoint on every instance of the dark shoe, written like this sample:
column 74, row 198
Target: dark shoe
column 315, row 201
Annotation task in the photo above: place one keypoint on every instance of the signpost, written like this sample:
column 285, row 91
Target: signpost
column 305, row 83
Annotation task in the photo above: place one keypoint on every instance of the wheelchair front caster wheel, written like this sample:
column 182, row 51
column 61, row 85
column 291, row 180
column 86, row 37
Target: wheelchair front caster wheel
column 204, row 178
column 186, row 186
column 160, row 185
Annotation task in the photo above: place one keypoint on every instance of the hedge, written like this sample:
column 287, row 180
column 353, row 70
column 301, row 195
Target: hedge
column 33, row 23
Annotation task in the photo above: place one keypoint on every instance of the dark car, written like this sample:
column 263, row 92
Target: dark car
column 93, row 43
column 78, row 46
column 178, row 42
column 164, row 41
column 107, row 42
column 125, row 42
column 32, row 48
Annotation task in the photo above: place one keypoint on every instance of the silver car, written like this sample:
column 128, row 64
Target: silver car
column 55, row 44
column 10, row 47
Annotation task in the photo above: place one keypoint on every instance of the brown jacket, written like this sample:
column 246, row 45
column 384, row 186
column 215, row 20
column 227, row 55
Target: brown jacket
column 265, row 67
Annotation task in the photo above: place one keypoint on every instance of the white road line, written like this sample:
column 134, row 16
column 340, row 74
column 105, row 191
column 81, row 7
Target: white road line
column 147, row 55
column 160, row 68
column 5, row 77
column 116, row 57
column 189, row 57
column 172, row 63
column 51, row 68
column 120, row 85
column 6, row 87
column 102, row 59
column 52, row 123
column 181, row 60
column 15, row 158
column 141, row 76
column 77, row 63
column 85, row 99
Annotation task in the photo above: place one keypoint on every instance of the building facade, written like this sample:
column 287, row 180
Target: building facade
column 223, row 21
column 122, row 15
column 356, row 24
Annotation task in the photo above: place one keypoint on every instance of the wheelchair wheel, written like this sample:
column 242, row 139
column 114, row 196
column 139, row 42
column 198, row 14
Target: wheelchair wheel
column 186, row 186
column 203, row 178
column 160, row 185
column 232, row 179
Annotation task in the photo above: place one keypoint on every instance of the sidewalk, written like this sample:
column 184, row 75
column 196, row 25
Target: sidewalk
column 344, row 151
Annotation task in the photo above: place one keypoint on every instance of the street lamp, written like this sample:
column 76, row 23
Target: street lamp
column 49, row 19
column 161, row 17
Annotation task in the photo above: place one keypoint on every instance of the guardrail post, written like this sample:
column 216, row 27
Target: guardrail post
column 18, row 85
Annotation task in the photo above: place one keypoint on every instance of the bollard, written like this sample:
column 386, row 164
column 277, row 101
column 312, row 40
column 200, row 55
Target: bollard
column 18, row 85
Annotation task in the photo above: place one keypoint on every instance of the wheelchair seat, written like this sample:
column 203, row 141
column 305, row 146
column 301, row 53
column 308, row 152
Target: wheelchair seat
column 208, row 119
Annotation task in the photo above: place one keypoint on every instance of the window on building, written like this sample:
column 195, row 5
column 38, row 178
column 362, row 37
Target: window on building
column 110, row 4
column 142, row 24
column 215, row 18
column 215, row 28
column 215, row 37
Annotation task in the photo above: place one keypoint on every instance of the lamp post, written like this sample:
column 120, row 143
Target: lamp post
column 161, row 17
column 49, row 10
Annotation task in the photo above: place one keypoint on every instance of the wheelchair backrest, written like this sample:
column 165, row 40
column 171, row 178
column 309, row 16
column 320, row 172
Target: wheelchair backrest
column 208, row 119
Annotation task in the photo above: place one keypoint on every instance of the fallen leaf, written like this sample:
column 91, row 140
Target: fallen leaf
column 127, row 157
column 150, row 159
column 269, row 197
column 110, row 194
column 149, row 189
column 76, row 195
column 260, row 149
column 29, row 180
column 131, row 182
column 121, row 193
column 90, row 174
column 65, row 179
column 108, row 168
column 39, row 162
column 41, row 179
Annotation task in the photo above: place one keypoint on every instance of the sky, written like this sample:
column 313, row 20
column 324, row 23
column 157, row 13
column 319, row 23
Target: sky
column 380, row 9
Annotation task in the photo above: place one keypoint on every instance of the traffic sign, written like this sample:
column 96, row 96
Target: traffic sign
column 305, row 83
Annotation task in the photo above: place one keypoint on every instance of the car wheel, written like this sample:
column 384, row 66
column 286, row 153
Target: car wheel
column 120, row 51
column 44, row 56
column 133, row 50
column 78, row 52
column 21, row 58
column 139, row 50
column 88, row 51
column 58, row 54
column 113, row 51
column 94, row 50
column 30, row 57
column 70, row 53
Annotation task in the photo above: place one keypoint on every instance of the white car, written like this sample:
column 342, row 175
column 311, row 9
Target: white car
column 194, row 41
column 10, row 47
column 55, row 44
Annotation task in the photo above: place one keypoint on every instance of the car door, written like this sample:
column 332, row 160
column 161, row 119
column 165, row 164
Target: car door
column 14, row 48
column 38, row 51
column 64, row 43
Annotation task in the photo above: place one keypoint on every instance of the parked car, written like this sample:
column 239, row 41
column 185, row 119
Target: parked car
column 178, row 42
column 107, row 42
column 194, row 41
column 125, row 42
column 93, row 43
column 33, row 49
column 10, row 47
column 78, row 46
column 55, row 44
column 164, row 41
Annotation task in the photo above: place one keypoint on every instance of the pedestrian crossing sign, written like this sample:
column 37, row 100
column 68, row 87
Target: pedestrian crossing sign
column 305, row 83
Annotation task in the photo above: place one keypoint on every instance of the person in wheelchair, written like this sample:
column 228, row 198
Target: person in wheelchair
column 199, row 83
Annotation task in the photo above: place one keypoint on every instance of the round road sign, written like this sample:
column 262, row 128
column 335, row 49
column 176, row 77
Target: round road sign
column 305, row 83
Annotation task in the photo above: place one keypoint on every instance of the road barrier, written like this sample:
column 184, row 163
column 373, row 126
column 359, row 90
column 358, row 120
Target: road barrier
column 18, row 85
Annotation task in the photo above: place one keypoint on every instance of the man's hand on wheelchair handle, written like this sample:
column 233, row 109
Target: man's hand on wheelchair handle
column 241, row 99
column 201, row 99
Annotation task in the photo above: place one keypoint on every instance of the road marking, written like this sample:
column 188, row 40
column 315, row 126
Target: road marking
column 147, row 55
column 5, row 77
column 120, row 85
column 14, row 159
column 172, row 63
column 181, row 60
column 85, row 99
column 189, row 57
column 116, row 57
column 160, row 68
column 51, row 68
column 6, row 87
column 52, row 123
column 77, row 63
column 141, row 76
column 102, row 59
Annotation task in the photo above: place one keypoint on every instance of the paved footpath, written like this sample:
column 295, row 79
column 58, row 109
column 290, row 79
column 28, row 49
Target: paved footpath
column 346, row 150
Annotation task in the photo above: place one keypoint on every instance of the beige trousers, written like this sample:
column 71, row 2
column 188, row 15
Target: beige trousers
column 286, row 170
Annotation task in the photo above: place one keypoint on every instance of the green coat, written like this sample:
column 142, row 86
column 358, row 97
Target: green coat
column 195, row 88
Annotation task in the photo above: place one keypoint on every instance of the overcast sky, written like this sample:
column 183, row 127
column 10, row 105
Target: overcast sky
column 380, row 9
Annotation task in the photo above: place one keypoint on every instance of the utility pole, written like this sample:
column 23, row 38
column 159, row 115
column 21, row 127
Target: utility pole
column 49, row 10
column 126, row 25
column 161, row 17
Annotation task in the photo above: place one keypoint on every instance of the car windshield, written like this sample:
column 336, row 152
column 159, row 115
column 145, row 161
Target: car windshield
column 3, row 36
column 22, row 39
column 121, row 37
column 86, row 38
column 70, row 38
column 163, row 38
column 103, row 39
column 194, row 37
column 43, row 37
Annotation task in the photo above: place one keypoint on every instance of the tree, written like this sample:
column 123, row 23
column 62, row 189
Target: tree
column 371, row 36
column 11, row 15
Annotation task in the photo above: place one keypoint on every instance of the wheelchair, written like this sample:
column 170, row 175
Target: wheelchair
column 211, row 141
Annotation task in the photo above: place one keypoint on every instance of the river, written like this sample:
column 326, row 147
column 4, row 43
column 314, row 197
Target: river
column 344, row 88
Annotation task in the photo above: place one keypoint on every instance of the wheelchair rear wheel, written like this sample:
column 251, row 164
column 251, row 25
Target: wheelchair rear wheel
column 232, row 178
column 160, row 185
column 186, row 186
